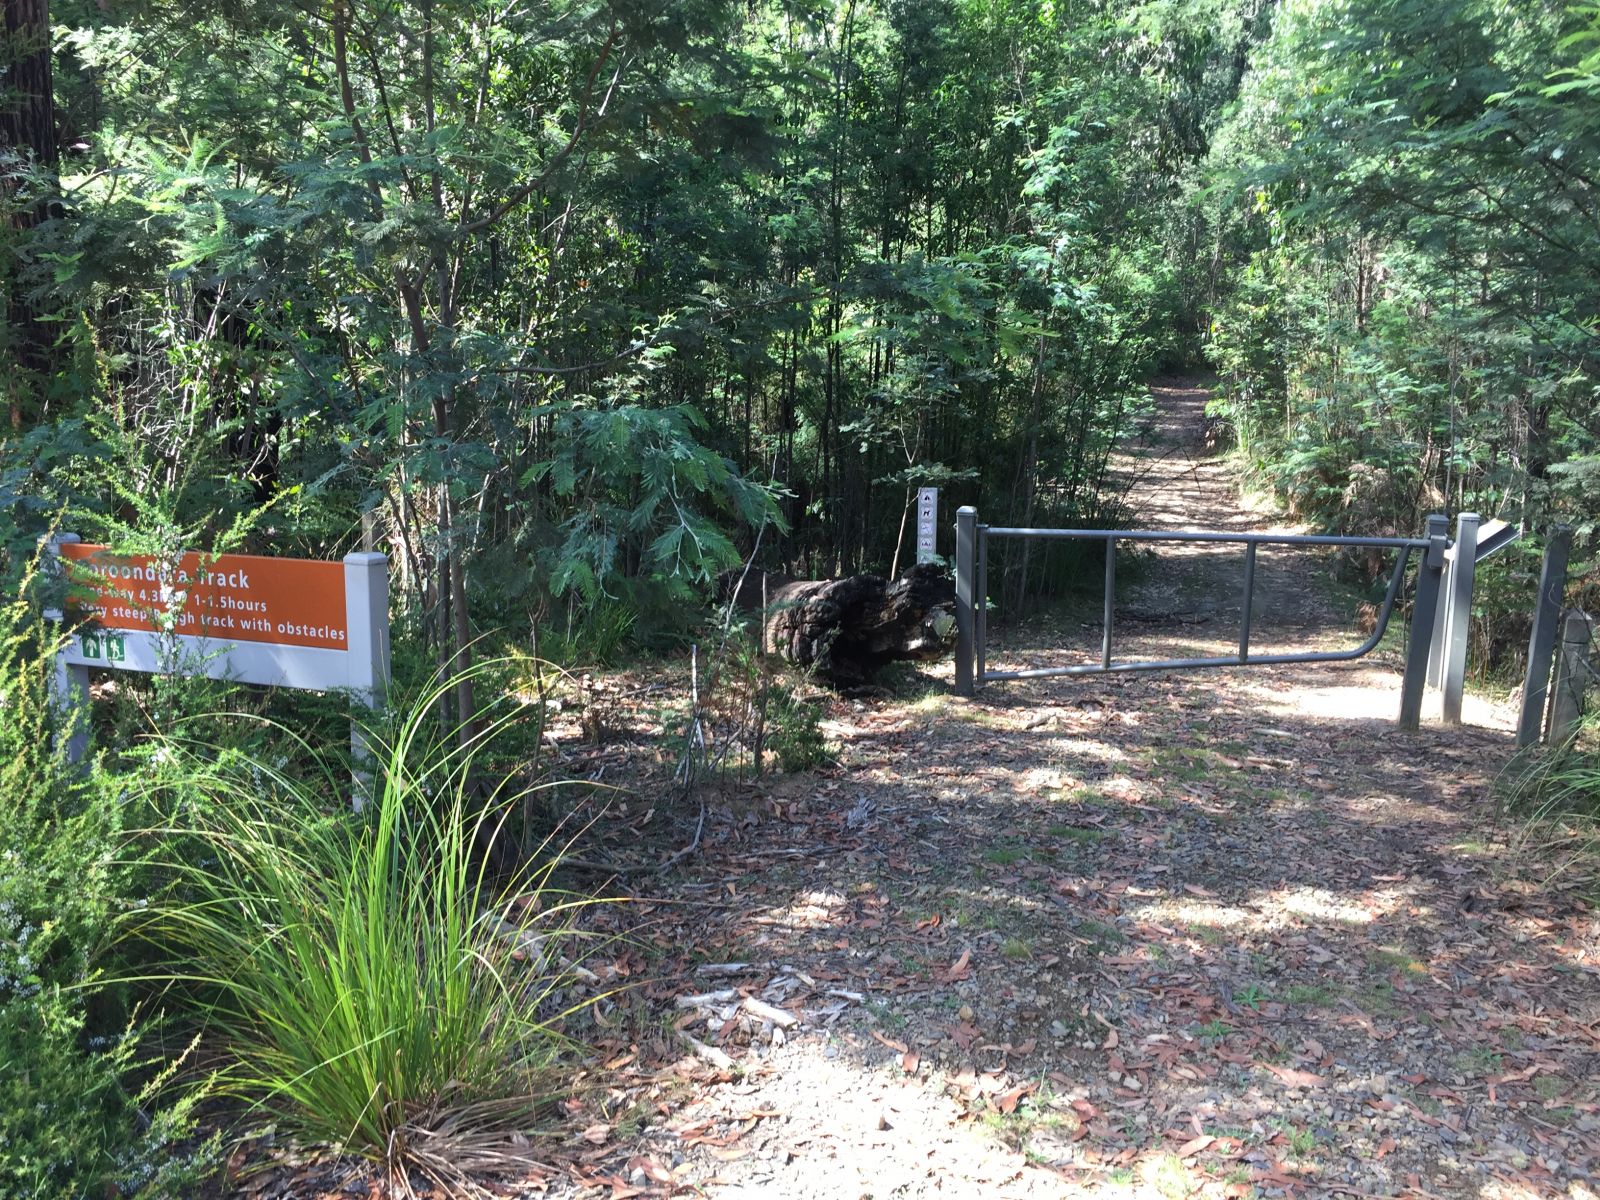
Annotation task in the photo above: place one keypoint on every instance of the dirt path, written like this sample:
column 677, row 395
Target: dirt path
column 1222, row 933
column 1172, row 481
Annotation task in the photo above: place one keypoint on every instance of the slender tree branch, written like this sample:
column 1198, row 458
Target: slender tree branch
column 527, row 189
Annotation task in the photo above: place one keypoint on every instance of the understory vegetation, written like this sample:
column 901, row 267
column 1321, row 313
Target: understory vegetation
column 375, row 982
column 569, row 307
column 198, row 921
column 88, row 1109
column 1405, row 323
column 1551, row 798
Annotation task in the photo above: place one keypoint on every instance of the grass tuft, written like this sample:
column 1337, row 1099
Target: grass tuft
column 372, row 985
column 1552, row 798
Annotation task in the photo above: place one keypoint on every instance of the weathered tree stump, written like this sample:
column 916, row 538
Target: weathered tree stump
column 846, row 629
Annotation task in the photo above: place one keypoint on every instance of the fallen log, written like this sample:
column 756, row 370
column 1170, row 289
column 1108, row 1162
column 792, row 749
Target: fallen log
column 846, row 629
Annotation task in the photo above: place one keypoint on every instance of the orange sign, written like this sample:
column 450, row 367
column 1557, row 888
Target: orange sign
column 231, row 597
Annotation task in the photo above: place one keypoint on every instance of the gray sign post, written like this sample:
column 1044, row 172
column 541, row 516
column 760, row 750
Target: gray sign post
column 927, row 525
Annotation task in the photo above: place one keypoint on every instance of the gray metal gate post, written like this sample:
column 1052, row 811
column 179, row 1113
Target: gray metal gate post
column 980, row 612
column 1542, row 642
column 1110, row 603
column 1424, row 612
column 966, row 572
column 1572, row 671
column 1458, row 618
column 1441, row 622
column 71, row 688
column 1247, row 601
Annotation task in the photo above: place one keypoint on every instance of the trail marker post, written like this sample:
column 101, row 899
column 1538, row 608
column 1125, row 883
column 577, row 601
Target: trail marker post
column 295, row 623
column 927, row 525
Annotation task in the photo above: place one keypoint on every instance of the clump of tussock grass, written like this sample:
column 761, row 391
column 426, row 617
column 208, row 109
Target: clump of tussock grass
column 368, row 980
column 1551, row 802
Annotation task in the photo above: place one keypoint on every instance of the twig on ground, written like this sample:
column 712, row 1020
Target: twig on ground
column 711, row 1054
column 782, row 1018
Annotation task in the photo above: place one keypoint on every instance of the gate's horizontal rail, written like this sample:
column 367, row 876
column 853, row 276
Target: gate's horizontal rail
column 972, row 605
column 1202, row 535
column 1250, row 541
column 1178, row 664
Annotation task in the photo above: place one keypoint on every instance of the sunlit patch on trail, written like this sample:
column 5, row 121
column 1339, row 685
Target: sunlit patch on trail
column 1279, row 909
column 870, row 1130
column 1196, row 912
column 811, row 909
column 1357, row 700
column 1357, row 692
column 1320, row 905
column 1040, row 779
column 1085, row 748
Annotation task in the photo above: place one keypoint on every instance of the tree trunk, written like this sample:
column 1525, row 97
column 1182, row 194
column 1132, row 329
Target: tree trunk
column 27, row 114
column 846, row 629
column 27, row 138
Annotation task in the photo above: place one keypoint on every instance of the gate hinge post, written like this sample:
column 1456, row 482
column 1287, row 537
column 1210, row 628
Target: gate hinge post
column 966, row 577
column 1424, row 612
column 1542, row 640
column 1571, row 677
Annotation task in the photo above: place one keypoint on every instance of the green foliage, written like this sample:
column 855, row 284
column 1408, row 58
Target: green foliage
column 1405, row 247
column 637, row 480
column 793, row 731
column 83, row 1108
column 1552, row 804
column 541, row 293
column 598, row 637
column 370, row 983
column 75, row 1106
column 33, row 471
column 569, row 307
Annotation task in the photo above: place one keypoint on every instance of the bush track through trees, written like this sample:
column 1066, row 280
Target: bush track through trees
column 1198, row 933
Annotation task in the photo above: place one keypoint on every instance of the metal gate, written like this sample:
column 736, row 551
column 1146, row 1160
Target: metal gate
column 1437, row 610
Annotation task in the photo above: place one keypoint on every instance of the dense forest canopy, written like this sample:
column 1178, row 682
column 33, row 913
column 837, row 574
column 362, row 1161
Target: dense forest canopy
column 568, row 305
column 1409, row 319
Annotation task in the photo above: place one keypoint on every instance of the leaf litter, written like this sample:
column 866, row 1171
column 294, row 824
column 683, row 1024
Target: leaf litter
column 1190, row 934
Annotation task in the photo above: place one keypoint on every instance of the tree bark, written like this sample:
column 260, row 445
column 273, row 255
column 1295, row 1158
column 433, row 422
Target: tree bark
column 27, row 118
column 846, row 629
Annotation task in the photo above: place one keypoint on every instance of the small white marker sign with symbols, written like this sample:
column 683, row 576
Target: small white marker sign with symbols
column 927, row 524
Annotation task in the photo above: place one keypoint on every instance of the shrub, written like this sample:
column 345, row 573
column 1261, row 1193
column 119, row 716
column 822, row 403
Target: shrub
column 596, row 637
column 82, row 1113
column 794, row 733
column 1552, row 798
column 373, row 987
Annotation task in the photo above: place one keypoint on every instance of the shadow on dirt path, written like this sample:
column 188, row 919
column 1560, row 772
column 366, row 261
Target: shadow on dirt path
column 1221, row 933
